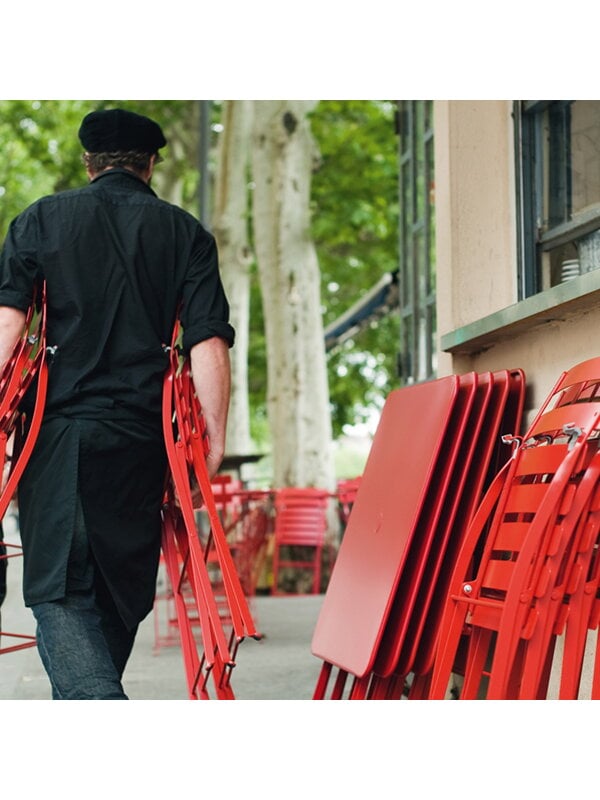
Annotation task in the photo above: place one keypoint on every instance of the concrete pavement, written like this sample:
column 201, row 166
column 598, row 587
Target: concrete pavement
column 278, row 667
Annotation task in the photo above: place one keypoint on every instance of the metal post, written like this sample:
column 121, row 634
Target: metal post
column 204, row 145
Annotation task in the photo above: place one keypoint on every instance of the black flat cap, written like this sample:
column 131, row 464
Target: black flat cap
column 117, row 130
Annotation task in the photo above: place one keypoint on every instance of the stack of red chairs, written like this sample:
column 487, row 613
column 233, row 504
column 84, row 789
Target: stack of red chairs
column 210, row 637
column 436, row 449
column 27, row 362
column 225, row 490
column 166, row 624
column 528, row 570
column 164, row 611
column 246, row 519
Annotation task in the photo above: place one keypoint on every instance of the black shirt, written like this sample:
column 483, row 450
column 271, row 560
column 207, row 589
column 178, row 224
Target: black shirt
column 118, row 264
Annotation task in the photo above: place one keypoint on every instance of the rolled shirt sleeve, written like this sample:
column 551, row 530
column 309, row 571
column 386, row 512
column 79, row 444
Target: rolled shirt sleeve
column 205, row 310
column 18, row 262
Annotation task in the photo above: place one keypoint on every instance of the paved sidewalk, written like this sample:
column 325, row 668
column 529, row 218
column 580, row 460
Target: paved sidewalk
column 279, row 667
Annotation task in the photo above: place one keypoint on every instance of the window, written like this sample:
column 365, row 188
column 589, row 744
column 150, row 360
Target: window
column 417, row 241
column 558, row 147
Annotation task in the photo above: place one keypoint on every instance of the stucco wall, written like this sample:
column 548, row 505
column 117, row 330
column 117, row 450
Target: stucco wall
column 475, row 207
column 543, row 353
column 476, row 250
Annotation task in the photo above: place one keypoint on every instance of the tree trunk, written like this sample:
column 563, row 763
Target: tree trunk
column 230, row 229
column 182, row 149
column 298, row 399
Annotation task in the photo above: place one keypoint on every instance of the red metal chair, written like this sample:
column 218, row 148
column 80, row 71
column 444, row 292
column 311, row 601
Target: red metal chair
column 21, row 640
column 166, row 625
column 246, row 519
column 250, row 536
column 346, row 495
column 27, row 362
column 213, row 652
column 511, row 577
column 300, row 527
column 580, row 607
column 225, row 491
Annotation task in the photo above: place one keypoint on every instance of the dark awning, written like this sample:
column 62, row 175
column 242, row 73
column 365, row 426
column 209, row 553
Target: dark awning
column 375, row 303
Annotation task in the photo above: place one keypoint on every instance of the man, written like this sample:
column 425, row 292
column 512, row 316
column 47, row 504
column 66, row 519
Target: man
column 120, row 265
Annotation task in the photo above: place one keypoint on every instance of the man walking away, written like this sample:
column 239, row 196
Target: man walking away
column 120, row 265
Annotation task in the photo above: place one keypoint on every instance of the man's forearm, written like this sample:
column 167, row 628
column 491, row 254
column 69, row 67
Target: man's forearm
column 12, row 322
column 211, row 372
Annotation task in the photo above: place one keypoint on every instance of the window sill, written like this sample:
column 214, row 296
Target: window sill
column 555, row 304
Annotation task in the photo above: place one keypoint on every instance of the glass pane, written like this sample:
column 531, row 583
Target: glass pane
column 585, row 155
column 428, row 115
column 559, row 166
column 561, row 197
column 570, row 144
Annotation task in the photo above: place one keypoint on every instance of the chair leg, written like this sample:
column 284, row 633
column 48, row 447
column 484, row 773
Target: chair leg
column 275, row 570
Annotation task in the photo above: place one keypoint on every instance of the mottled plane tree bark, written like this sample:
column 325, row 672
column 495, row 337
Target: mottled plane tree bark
column 283, row 156
column 230, row 227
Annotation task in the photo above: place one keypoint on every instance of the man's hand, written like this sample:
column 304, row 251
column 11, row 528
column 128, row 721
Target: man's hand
column 211, row 373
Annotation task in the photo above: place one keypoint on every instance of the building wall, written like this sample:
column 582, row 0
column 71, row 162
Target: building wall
column 476, row 254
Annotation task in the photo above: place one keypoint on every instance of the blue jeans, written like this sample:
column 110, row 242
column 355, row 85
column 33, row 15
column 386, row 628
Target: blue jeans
column 83, row 650
column 81, row 639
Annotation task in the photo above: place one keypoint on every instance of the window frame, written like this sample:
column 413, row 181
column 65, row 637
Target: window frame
column 417, row 278
column 532, row 240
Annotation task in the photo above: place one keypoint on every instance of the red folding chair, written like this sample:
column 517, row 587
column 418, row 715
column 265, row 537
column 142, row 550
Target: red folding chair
column 300, row 527
column 21, row 640
column 246, row 519
column 209, row 650
column 27, row 362
column 503, row 606
column 225, row 491
column 250, row 536
column 579, row 613
column 346, row 495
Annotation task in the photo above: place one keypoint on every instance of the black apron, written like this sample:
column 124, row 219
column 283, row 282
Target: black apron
column 118, row 470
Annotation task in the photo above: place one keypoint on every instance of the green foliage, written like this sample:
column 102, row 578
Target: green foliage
column 355, row 226
column 42, row 153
